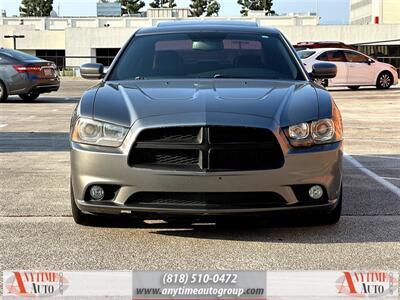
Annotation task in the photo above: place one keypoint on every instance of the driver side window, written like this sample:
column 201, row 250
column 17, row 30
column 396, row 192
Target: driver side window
column 354, row 57
column 332, row 56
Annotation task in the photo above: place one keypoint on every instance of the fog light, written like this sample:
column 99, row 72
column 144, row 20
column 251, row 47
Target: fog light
column 96, row 192
column 316, row 192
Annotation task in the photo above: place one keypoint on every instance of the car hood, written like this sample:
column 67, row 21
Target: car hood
column 287, row 102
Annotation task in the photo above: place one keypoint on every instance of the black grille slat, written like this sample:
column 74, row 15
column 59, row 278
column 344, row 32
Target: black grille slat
column 208, row 148
column 166, row 157
column 206, row 200
column 171, row 135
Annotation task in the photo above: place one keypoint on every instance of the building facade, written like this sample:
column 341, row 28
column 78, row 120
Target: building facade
column 71, row 42
column 364, row 12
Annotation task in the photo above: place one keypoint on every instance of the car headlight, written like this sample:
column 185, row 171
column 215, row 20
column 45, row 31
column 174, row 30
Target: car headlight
column 88, row 131
column 299, row 132
column 322, row 131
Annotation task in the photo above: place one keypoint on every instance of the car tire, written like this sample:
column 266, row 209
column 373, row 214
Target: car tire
column 332, row 217
column 3, row 92
column 354, row 87
column 29, row 97
column 80, row 217
column 384, row 81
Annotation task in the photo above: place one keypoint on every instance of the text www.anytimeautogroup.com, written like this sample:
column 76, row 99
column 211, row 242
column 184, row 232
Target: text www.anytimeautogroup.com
column 199, row 292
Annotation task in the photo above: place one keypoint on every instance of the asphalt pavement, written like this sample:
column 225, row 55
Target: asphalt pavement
column 38, row 233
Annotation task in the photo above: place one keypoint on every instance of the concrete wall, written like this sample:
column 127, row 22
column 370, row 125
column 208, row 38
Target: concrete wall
column 350, row 34
column 361, row 11
column 85, row 35
column 85, row 41
column 34, row 39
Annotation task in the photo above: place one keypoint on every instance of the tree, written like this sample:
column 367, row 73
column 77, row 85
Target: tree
column 131, row 6
column 213, row 8
column 36, row 8
column 255, row 5
column 198, row 8
column 163, row 3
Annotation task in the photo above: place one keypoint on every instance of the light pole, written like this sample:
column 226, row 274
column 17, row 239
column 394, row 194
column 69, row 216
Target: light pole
column 14, row 37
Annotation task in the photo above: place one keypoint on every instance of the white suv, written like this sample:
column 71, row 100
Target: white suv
column 354, row 69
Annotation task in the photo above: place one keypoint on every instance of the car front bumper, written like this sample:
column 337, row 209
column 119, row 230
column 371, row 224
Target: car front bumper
column 91, row 165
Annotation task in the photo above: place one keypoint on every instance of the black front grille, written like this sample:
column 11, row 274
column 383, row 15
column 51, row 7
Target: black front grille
column 166, row 157
column 214, row 148
column 171, row 135
column 206, row 200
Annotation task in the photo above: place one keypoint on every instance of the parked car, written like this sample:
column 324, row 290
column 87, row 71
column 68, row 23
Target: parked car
column 201, row 119
column 26, row 75
column 325, row 44
column 355, row 69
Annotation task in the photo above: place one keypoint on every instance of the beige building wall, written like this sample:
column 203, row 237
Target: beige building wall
column 360, row 11
column 365, row 11
column 390, row 11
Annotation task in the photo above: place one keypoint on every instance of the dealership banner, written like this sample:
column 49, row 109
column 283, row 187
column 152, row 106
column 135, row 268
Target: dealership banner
column 153, row 285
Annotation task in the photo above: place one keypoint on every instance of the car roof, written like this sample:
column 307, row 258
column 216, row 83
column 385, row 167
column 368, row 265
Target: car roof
column 6, row 49
column 321, row 43
column 319, row 50
column 190, row 26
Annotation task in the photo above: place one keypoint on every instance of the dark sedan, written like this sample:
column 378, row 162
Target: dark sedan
column 26, row 75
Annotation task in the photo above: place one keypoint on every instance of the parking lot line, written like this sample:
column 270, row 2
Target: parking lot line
column 381, row 156
column 3, row 125
column 391, row 178
column 394, row 189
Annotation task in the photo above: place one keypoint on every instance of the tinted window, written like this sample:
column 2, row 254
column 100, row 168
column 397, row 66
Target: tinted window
column 305, row 54
column 18, row 55
column 206, row 55
column 355, row 57
column 332, row 56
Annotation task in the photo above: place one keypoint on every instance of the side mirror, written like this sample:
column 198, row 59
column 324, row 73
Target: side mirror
column 92, row 71
column 323, row 71
column 370, row 61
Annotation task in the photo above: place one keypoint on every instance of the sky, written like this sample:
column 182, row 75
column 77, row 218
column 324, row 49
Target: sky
column 331, row 11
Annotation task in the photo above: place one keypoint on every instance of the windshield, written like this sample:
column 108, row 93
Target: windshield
column 206, row 55
column 305, row 54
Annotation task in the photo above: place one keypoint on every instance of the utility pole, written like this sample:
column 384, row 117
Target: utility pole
column 14, row 37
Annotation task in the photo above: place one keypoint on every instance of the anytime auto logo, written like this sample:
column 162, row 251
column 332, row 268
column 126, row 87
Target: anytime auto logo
column 367, row 284
column 35, row 284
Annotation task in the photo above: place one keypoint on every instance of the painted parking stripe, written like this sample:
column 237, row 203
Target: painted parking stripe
column 390, row 186
column 391, row 178
column 364, row 140
column 381, row 156
column 3, row 125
